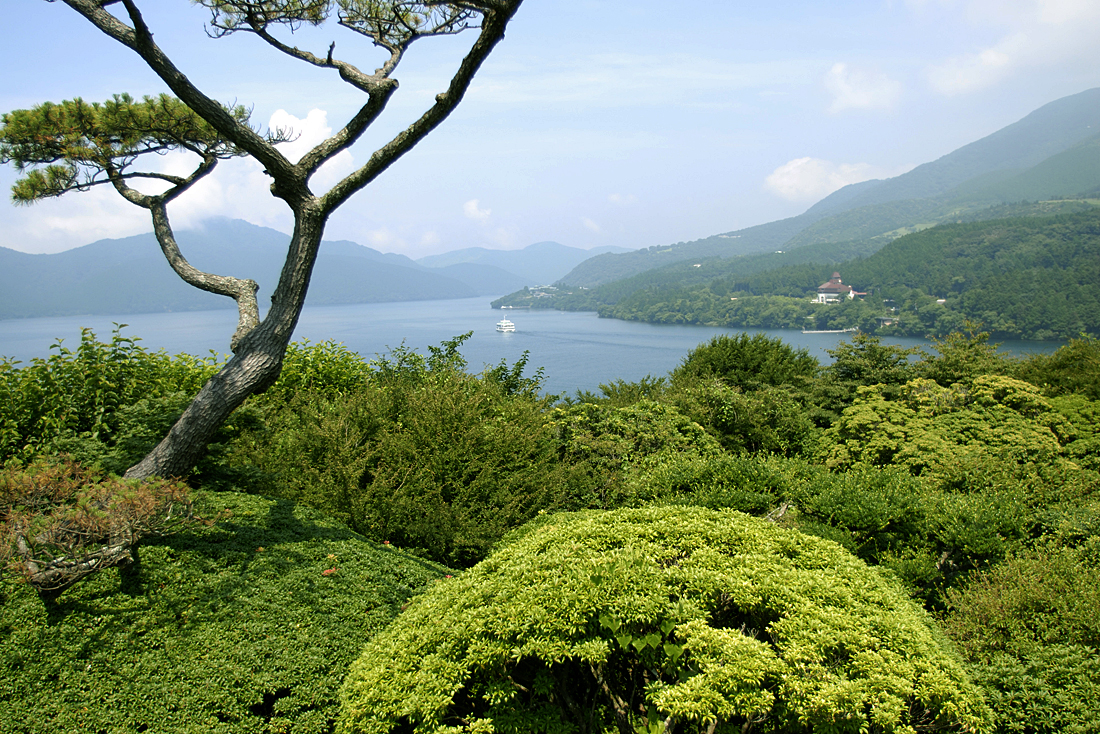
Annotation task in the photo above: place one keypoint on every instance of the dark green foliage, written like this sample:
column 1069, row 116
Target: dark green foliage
column 1030, row 629
column 747, row 362
column 649, row 620
column 610, row 451
column 864, row 361
column 621, row 393
column 769, row 420
column 1074, row 368
column 77, row 143
column 245, row 626
column 1081, row 438
column 409, row 448
column 961, row 357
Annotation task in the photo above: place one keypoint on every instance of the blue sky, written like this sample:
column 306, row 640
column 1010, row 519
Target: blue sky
column 595, row 122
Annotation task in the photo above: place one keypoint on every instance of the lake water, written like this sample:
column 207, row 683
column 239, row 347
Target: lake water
column 577, row 350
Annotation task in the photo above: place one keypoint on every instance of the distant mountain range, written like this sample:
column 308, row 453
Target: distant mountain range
column 130, row 275
column 1053, row 152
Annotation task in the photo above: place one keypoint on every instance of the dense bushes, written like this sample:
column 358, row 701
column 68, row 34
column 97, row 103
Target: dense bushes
column 661, row 619
column 748, row 362
column 966, row 476
column 408, row 449
column 77, row 399
column 1030, row 629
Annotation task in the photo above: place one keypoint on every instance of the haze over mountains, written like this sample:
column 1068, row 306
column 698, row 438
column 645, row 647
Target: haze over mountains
column 130, row 275
column 1052, row 152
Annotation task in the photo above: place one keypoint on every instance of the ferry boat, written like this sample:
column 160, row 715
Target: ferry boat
column 505, row 325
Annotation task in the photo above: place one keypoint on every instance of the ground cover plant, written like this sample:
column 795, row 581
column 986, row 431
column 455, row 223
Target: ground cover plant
column 246, row 625
column 660, row 620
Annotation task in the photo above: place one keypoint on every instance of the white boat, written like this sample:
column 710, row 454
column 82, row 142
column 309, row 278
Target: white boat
column 505, row 325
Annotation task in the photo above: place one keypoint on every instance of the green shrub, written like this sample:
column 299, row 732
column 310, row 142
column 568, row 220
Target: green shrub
column 960, row 357
column 1073, row 369
column 768, row 420
column 417, row 452
column 747, row 362
column 1030, row 630
column 655, row 619
column 244, row 626
column 75, row 398
column 610, row 451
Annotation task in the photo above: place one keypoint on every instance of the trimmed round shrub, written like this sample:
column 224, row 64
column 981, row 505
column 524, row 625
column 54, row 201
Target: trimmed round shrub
column 661, row 619
column 247, row 625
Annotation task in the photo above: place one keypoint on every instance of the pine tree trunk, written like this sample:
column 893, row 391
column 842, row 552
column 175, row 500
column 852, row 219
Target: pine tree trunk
column 253, row 368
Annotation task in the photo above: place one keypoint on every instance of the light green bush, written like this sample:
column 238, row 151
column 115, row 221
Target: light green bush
column 658, row 619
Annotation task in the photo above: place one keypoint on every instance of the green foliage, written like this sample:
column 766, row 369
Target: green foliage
column 79, row 396
column 620, row 393
column 328, row 368
column 410, row 448
column 864, row 361
column 244, row 626
column 611, row 451
column 649, row 620
column 1081, row 435
column 1030, row 629
column 80, row 144
column 747, row 362
column 1074, row 368
column 766, row 420
column 962, row 357
column 932, row 428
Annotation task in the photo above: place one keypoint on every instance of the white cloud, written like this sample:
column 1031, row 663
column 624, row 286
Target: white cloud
column 475, row 212
column 591, row 226
column 808, row 179
column 1032, row 34
column 622, row 199
column 854, row 88
column 384, row 238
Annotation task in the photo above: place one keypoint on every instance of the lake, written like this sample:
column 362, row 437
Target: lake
column 578, row 351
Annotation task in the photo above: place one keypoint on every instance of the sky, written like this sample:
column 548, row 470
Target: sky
column 595, row 122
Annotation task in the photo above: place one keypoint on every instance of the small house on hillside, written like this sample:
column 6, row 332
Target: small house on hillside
column 834, row 290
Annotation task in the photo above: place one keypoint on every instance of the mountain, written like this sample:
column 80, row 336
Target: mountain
column 1033, row 277
column 538, row 264
column 130, row 275
column 1051, row 152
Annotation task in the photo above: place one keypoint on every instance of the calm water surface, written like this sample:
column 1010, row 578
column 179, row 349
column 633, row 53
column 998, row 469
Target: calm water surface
column 578, row 351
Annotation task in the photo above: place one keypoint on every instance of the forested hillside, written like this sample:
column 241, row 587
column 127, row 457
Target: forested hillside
column 1050, row 153
column 1028, row 277
column 896, row 539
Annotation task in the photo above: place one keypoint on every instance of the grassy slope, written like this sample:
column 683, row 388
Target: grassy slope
column 236, row 629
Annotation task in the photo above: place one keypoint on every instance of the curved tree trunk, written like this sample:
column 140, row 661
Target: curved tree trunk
column 253, row 368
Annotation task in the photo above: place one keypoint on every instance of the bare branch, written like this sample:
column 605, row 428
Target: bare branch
column 140, row 39
column 492, row 31
column 243, row 291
